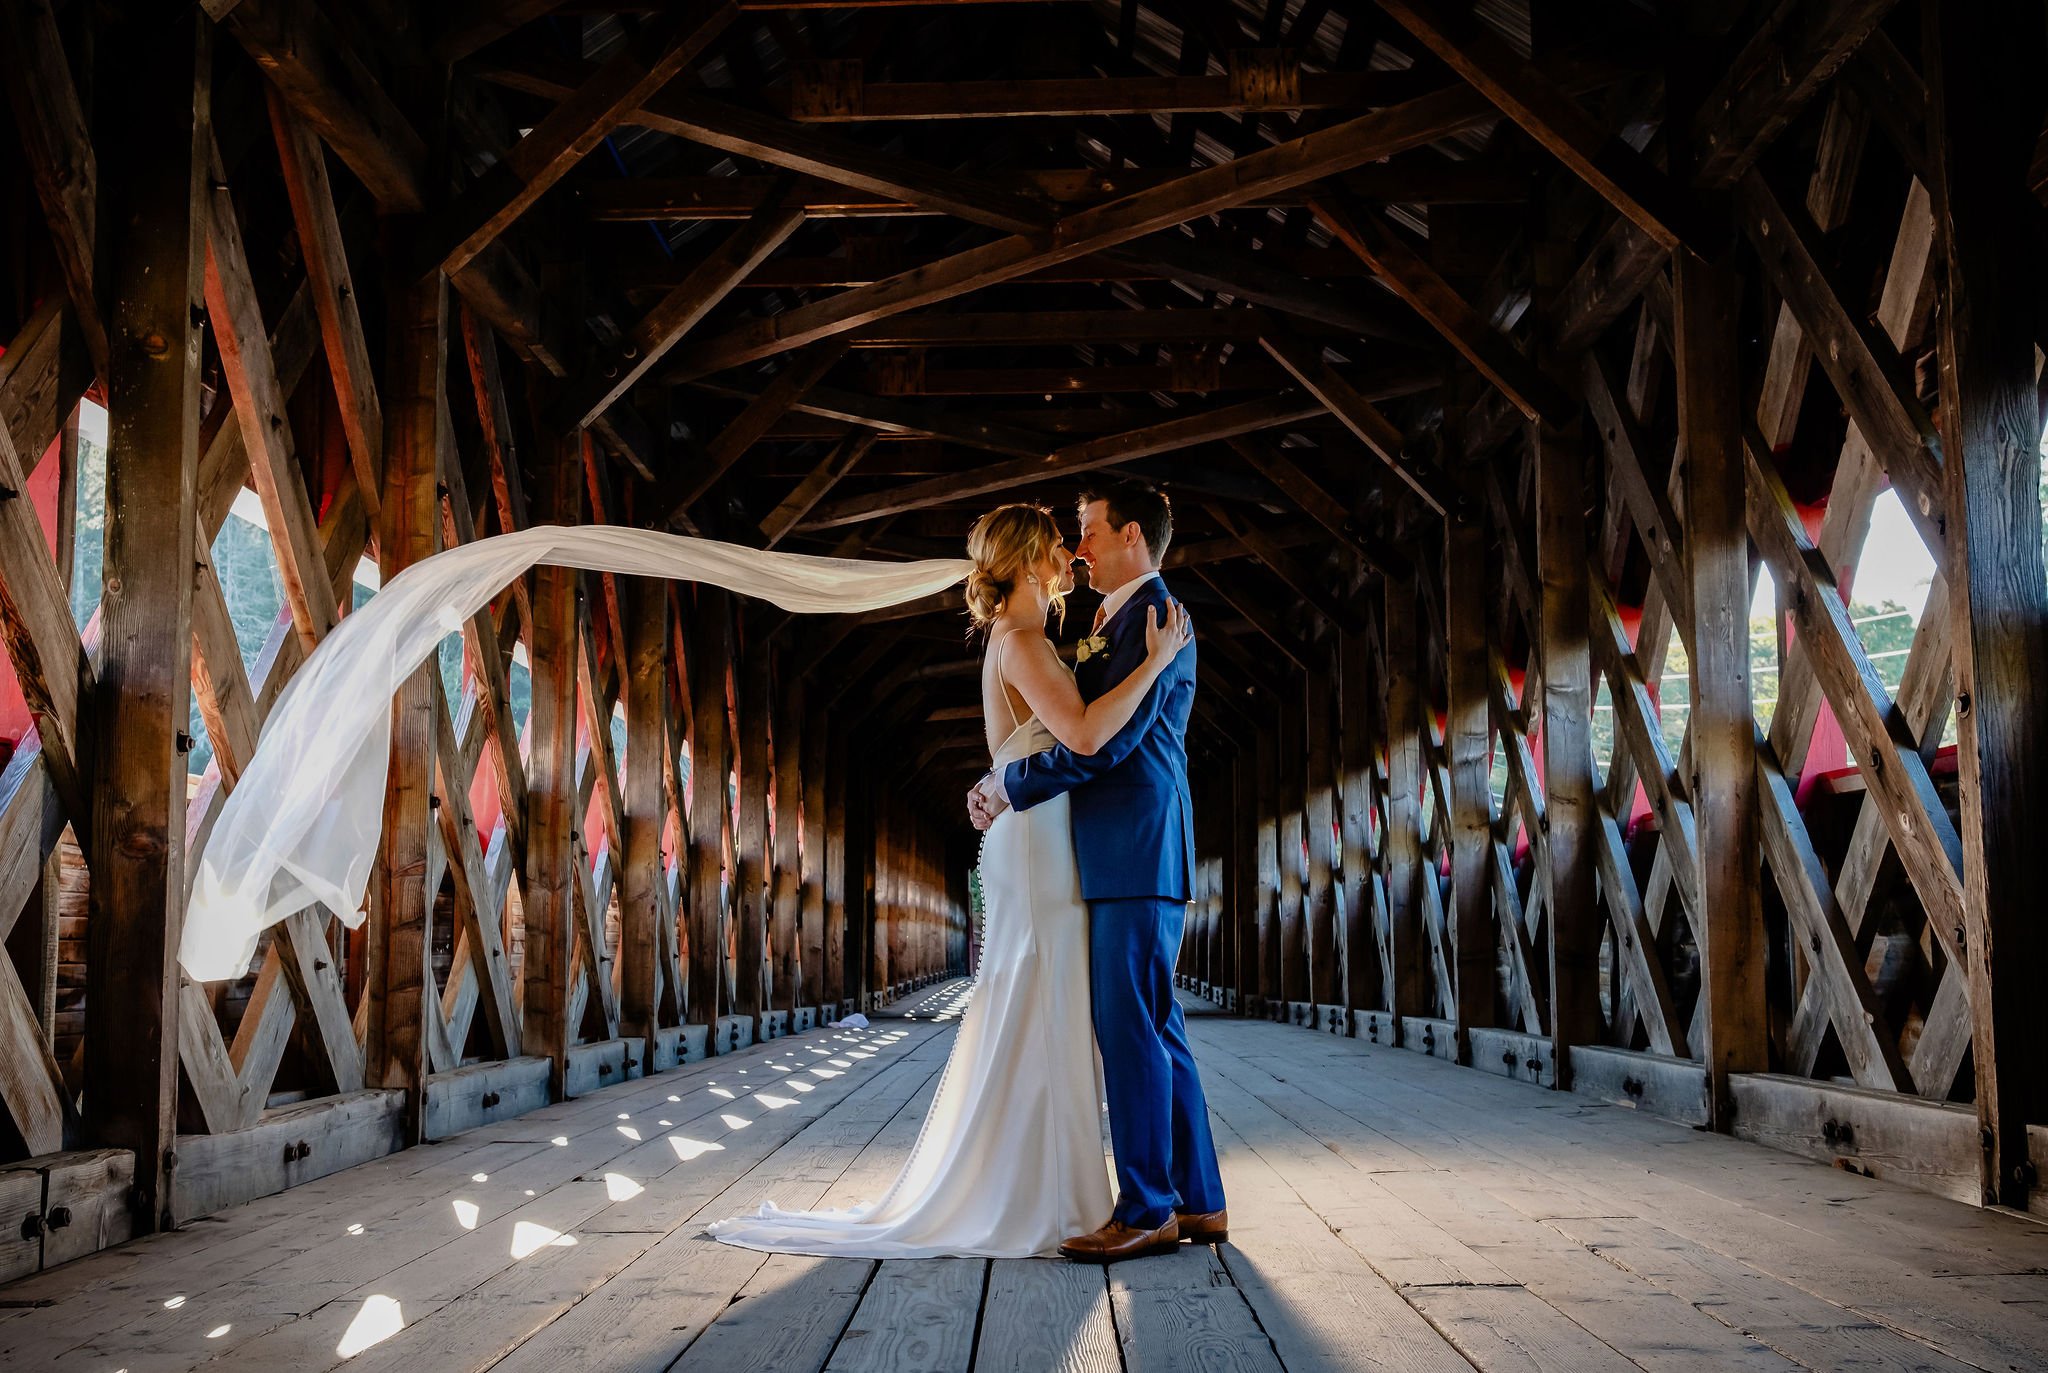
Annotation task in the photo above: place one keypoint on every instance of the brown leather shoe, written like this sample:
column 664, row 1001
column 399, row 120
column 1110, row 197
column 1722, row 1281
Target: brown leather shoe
column 1204, row 1227
column 1116, row 1241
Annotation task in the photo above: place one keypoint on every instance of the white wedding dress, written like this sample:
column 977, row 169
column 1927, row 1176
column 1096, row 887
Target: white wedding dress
column 1009, row 1160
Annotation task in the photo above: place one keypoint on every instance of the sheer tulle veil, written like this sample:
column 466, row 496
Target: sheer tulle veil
column 301, row 825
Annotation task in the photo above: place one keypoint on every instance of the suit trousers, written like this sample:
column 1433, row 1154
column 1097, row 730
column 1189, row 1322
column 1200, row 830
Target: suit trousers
column 1165, row 1158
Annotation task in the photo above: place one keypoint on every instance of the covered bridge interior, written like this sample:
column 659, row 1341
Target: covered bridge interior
column 1605, row 448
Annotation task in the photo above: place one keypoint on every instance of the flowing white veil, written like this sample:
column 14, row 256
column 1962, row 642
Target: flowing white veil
column 302, row 824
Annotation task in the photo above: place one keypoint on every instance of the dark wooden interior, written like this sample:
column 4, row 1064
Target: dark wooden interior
column 1491, row 355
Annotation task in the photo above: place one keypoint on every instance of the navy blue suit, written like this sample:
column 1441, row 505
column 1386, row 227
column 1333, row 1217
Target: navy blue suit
column 1134, row 840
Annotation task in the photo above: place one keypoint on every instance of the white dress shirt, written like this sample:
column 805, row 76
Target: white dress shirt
column 1121, row 597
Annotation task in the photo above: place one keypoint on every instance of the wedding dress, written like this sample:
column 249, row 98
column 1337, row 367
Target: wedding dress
column 1009, row 1160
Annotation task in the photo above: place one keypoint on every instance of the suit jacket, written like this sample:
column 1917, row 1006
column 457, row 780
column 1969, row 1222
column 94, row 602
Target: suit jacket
column 1134, row 827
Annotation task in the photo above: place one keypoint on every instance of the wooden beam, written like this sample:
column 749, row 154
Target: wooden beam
column 1109, row 451
column 1723, row 750
column 1790, row 55
column 1294, row 163
column 299, row 50
column 1570, row 803
column 1468, row 746
column 56, row 141
column 1858, row 359
column 1318, row 504
column 304, row 164
column 893, row 417
column 753, row 685
column 551, row 784
column 793, row 147
column 1299, row 579
column 680, row 311
column 237, row 319
column 160, row 64
column 476, row 24
column 1411, row 277
column 1261, row 615
column 1548, row 114
column 799, row 375
column 636, row 70
column 710, row 656
column 1250, row 279
column 643, row 905
column 1981, row 138
column 398, row 1000
column 841, row 459
column 835, row 93
column 1308, row 366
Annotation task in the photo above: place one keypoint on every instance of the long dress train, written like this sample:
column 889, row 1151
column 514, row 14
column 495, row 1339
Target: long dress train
column 1009, row 1160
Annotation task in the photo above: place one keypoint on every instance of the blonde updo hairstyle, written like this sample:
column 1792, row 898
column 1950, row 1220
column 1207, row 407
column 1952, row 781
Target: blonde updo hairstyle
column 1008, row 545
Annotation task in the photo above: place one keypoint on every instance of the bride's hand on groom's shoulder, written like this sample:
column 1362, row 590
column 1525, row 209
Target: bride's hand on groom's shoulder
column 1163, row 642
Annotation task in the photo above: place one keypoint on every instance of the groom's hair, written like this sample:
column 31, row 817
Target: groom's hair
column 1132, row 502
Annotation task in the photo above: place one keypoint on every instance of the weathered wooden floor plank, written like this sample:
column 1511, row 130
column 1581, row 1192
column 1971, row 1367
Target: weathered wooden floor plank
column 1389, row 1212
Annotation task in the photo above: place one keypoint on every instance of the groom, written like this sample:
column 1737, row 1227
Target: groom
column 1134, row 840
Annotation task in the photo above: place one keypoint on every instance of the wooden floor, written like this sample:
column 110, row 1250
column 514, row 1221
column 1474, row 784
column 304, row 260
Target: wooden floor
column 1389, row 1211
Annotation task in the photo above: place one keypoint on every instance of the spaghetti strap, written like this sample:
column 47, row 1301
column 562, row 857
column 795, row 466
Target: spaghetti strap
column 1003, row 682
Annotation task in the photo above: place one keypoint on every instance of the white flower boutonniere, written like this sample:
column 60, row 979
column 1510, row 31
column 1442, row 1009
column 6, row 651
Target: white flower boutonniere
column 1089, row 647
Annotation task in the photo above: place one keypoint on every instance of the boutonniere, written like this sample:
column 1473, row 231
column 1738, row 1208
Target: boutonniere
column 1089, row 647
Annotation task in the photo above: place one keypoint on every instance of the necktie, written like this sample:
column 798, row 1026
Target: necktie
column 1101, row 618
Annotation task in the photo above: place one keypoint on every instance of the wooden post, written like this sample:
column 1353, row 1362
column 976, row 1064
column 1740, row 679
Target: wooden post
column 1468, row 749
column 552, row 812
column 1242, row 942
column 1978, row 155
column 640, row 875
column 881, row 905
column 157, row 73
column 1293, row 797
column 1325, row 984
column 710, row 657
column 838, row 984
column 1569, row 815
column 1407, row 945
column 1723, row 783
column 750, row 847
column 1354, row 772
column 787, row 889
column 812, row 749
column 1267, row 813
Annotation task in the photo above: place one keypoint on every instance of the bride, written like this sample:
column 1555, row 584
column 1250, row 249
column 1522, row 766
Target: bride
column 1009, row 1159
